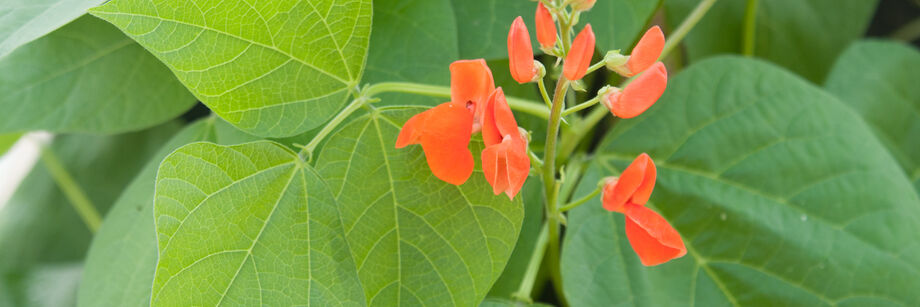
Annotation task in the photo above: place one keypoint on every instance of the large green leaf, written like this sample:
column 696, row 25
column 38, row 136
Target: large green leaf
column 122, row 258
column 483, row 26
column 87, row 77
column 781, row 193
column 417, row 51
column 619, row 23
column 510, row 279
column 41, row 233
column 879, row 80
column 415, row 239
column 22, row 21
column 272, row 68
column 803, row 36
column 248, row 224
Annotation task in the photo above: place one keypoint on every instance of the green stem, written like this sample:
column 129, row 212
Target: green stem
column 581, row 106
column 678, row 35
column 594, row 67
column 523, row 105
column 750, row 28
column 582, row 200
column 542, row 85
column 355, row 104
column 72, row 190
column 549, row 182
column 533, row 267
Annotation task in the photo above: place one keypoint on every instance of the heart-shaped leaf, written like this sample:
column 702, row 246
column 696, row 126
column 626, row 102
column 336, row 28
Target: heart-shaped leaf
column 22, row 21
column 248, row 224
column 781, row 193
column 272, row 68
column 122, row 258
column 103, row 83
column 415, row 239
column 879, row 80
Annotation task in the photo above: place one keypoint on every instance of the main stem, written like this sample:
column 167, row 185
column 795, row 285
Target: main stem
column 549, row 182
column 334, row 123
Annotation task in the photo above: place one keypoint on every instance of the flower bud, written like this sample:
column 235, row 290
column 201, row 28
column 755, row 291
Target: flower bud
column 546, row 27
column 646, row 52
column 579, row 57
column 639, row 95
column 520, row 52
column 582, row 5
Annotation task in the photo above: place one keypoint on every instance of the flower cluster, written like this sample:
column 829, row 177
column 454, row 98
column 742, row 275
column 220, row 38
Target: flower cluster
column 445, row 131
column 477, row 105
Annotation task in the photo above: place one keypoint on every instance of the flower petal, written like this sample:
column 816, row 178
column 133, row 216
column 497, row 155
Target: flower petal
column 579, row 57
column 546, row 27
column 520, row 52
column 498, row 120
column 471, row 83
column 445, row 139
column 411, row 132
column 506, row 166
column 647, row 51
column 641, row 94
column 631, row 182
column 651, row 236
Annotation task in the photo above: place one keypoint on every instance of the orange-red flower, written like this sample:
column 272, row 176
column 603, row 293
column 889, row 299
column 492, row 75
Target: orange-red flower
column 546, row 27
column 444, row 131
column 651, row 236
column 504, row 161
column 639, row 95
column 520, row 52
column 579, row 57
column 646, row 52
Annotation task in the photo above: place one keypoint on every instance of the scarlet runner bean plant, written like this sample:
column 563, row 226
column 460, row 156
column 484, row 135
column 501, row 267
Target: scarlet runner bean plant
column 458, row 153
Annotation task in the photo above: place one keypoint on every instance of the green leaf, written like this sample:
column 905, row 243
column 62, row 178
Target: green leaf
column 282, row 67
column 248, row 224
column 803, row 36
column 510, row 279
column 22, row 21
column 41, row 232
column 878, row 80
column 122, row 258
column 498, row 302
column 7, row 140
column 416, row 240
column 781, row 193
column 483, row 26
column 87, row 77
column 618, row 24
column 413, row 41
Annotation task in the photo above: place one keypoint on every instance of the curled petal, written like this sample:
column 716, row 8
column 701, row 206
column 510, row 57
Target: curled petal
column 520, row 52
column 498, row 120
column 647, row 51
column 506, row 165
column 579, row 57
column 639, row 95
column 634, row 185
column 411, row 132
column 546, row 27
column 471, row 83
column 651, row 236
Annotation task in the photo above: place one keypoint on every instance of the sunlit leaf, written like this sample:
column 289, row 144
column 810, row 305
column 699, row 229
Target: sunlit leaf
column 415, row 239
column 272, row 68
column 781, row 193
